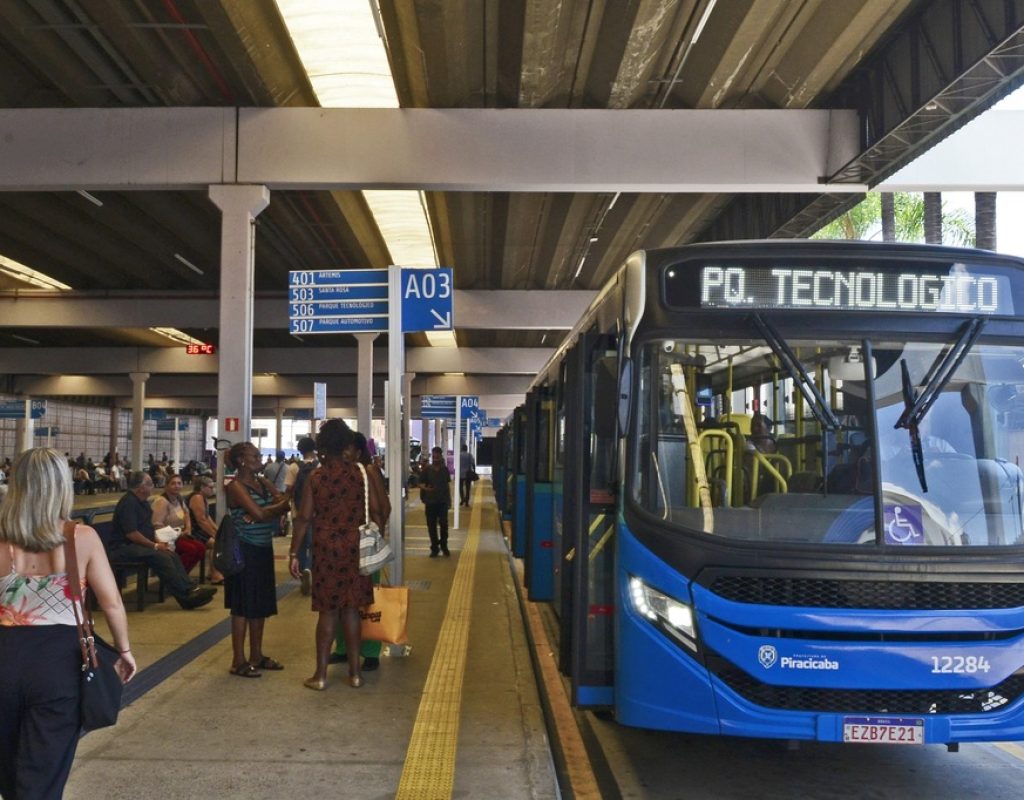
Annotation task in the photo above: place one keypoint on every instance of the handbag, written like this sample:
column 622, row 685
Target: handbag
column 227, row 548
column 375, row 552
column 386, row 620
column 471, row 476
column 101, row 688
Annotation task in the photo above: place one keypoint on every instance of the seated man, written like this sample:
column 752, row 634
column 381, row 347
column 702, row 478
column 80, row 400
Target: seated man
column 133, row 539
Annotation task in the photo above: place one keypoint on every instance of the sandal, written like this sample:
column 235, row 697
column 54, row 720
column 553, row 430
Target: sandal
column 246, row 670
column 268, row 663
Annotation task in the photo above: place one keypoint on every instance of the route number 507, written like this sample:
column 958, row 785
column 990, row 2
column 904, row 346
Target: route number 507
column 960, row 665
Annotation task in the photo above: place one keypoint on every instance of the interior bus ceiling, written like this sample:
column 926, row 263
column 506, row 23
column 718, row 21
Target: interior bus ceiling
column 889, row 59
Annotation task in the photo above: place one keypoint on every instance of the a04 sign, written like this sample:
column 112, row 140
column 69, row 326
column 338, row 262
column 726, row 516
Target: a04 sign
column 427, row 299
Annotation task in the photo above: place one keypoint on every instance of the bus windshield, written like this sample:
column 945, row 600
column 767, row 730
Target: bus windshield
column 793, row 442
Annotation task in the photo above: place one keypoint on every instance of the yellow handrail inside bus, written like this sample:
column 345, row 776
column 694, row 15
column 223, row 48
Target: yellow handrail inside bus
column 766, row 459
column 724, row 436
column 696, row 457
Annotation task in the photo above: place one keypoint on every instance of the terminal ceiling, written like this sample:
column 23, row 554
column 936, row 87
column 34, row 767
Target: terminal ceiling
column 889, row 59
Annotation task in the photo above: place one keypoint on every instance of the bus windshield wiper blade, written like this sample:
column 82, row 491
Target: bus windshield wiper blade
column 909, row 401
column 940, row 374
column 819, row 407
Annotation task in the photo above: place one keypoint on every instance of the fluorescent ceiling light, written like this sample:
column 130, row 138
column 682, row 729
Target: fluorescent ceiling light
column 341, row 48
column 90, row 197
column 28, row 275
column 176, row 336
column 441, row 338
column 188, row 264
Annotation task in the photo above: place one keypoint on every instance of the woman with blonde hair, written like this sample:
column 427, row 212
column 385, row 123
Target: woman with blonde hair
column 40, row 658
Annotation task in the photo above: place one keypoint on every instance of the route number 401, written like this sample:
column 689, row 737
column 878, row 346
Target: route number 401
column 959, row 665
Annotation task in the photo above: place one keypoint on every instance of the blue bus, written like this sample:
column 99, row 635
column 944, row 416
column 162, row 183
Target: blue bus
column 773, row 489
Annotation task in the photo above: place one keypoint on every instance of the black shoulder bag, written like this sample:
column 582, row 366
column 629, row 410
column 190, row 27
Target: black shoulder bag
column 227, row 548
column 101, row 687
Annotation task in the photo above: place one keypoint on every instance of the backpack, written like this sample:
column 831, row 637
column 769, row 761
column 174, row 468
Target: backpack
column 305, row 468
column 227, row 548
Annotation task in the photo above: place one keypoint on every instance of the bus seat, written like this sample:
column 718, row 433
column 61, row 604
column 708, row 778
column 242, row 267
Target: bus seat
column 742, row 422
column 805, row 482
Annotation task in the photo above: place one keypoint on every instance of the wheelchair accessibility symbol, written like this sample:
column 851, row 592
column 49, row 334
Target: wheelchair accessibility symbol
column 903, row 524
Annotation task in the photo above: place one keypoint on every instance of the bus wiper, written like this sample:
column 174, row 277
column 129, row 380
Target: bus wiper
column 915, row 406
column 940, row 374
column 815, row 399
column 909, row 400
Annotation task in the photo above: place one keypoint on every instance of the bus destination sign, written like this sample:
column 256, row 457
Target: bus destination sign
column 958, row 291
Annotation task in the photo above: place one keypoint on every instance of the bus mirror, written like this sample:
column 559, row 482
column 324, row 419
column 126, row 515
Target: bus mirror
column 623, row 394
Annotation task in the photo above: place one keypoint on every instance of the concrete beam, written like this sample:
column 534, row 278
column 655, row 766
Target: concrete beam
column 173, row 387
column 474, row 309
column 480, row 150
column 280, row 360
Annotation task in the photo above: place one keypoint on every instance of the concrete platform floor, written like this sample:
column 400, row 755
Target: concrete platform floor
column 201, row 732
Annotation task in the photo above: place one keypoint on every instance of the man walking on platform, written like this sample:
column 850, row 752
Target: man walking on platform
column 437, row 499
column 133, row 539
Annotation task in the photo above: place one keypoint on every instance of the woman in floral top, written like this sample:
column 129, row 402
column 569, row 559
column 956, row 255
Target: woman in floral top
column 40, row 659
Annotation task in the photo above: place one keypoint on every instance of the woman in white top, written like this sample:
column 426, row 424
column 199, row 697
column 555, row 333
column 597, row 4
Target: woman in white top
column 40, row 658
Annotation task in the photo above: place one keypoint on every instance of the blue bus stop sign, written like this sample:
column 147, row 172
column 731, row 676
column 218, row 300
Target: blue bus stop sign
column 427, row 299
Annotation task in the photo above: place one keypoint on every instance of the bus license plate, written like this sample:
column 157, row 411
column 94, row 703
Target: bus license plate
column 883, row 730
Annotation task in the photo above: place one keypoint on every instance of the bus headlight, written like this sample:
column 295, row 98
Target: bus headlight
column 672, row 616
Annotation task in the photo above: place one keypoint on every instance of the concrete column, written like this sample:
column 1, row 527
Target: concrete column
column 24, row 429
column 364, row 382
column 279, row 422
column 176, row 446
column 138, row 415
column 239, row 207
column 406, row 419
column 115, row 429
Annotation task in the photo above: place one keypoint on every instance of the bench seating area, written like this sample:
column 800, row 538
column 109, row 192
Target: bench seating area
column 124, row 571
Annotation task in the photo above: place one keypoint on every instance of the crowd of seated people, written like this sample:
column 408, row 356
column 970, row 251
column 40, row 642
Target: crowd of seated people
column 90, row 477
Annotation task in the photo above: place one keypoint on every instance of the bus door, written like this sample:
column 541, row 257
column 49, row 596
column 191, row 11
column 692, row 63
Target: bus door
column 589, row 520
column 498, row 472
column 517, row 482
column 538, row 576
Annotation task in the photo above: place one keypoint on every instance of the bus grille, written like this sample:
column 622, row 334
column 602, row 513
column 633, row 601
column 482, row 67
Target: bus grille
column 822, row 593
column 874, row 701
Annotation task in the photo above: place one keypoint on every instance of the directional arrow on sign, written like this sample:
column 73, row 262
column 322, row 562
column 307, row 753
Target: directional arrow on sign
column 426, row 297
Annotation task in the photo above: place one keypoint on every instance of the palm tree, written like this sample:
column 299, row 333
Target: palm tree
column 985, row 219
column 864, row 221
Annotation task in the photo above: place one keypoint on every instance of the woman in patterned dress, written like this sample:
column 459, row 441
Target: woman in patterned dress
column 333, row 498
column 251, row 595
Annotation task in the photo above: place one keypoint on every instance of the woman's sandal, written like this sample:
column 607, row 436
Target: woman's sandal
column 316, row 684
column 246, row 670
column 268, row 663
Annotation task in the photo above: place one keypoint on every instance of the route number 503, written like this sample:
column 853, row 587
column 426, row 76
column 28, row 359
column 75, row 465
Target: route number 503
column 960, row 665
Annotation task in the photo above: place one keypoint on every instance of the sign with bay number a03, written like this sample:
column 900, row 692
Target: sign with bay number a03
column 427, row 299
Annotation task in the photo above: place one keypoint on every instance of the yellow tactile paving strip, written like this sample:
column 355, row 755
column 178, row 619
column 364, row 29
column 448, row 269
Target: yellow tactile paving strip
column 429, row 771
column 1013, row 749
